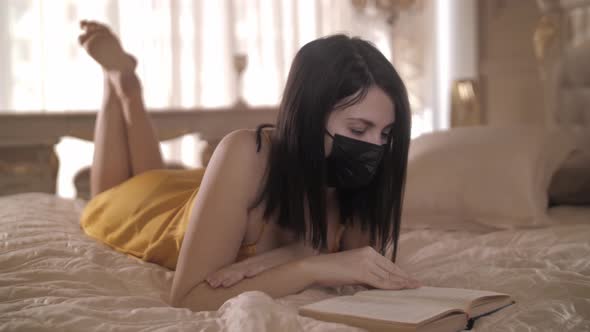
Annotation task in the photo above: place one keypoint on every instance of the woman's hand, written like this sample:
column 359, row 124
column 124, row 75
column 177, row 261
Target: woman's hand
column 234, row 273
column 359, row 266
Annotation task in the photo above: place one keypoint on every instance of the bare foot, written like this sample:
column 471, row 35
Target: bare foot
column 104, row 47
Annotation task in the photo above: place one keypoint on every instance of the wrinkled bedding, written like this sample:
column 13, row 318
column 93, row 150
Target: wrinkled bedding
column 53, row 277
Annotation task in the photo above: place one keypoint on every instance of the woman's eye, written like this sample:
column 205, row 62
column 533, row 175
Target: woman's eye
column 357, row 131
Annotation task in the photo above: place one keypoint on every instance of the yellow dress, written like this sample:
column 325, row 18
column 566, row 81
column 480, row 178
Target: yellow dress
column 146, row 216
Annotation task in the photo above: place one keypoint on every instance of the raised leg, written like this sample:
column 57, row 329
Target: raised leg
column 144, row 147
column 125, row 141
column 110, row 164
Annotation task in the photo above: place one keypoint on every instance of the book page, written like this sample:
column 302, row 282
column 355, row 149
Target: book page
column 391, row 310
column 455, row 297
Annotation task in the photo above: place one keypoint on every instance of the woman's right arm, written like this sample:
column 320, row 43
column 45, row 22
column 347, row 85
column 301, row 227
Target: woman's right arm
column 252, row 266
column 283, row 280
column 218, row 219
column 359, row 266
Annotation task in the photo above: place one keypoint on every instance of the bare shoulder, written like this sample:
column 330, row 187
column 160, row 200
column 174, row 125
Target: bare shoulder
column 237, row 153
column 243, row 145
column 219, row 217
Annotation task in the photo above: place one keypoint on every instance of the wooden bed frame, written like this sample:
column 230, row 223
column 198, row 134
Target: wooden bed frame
column 28, row 161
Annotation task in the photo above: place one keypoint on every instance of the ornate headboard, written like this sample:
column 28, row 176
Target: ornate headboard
column 562, row 46
column 28, row 161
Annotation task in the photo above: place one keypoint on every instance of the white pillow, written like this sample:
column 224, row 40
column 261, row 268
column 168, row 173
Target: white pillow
column 482, row 177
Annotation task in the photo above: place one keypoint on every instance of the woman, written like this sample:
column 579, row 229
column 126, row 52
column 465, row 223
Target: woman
column 314, row 201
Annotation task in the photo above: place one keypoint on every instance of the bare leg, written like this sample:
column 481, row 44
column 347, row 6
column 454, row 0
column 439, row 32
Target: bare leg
column 143, row 143
column 125, row 141
column 111, row 164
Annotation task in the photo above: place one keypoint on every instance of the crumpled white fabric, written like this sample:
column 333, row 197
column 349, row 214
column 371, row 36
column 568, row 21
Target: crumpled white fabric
column 53, row 277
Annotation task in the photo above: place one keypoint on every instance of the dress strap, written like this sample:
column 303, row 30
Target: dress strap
column 259, row 132
column 257, row 238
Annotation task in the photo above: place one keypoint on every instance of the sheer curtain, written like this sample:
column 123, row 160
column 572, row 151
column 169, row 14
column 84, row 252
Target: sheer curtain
column 186, row 51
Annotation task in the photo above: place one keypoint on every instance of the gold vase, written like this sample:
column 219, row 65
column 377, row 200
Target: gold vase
column 465, row 104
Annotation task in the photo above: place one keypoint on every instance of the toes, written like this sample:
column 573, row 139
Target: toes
column 83, row 23
column 97, row 25
column 83, row 38
column 86, row 36
column 90, row 26
column 90, row 29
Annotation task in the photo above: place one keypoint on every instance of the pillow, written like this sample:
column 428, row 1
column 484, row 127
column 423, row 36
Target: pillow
column 482, row 177
column 571, row 183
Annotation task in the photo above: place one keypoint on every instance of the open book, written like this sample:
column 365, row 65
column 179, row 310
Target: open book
column 422, row 309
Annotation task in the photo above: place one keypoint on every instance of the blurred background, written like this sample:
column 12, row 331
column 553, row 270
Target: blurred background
column 211, row 54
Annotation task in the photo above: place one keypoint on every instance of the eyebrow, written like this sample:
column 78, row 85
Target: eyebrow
column 368, row 122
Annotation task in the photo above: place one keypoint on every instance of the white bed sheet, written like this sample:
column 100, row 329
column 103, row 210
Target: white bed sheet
column 53, row 277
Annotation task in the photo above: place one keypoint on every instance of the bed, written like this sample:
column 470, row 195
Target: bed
column 53, row 277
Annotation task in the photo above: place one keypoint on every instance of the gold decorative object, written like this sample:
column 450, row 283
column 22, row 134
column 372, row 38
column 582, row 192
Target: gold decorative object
column 391, row 7
column 465, row 104
column 544, row 36
column 240, row 64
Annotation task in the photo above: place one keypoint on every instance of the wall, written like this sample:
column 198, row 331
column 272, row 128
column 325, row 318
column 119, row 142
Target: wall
column 511, row 89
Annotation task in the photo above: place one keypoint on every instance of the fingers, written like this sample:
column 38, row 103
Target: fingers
column 382, row 280
column 391, row 278
column 388, row 270
column 232, row 279
column 254, row 270
column 213, row 281
column 392, row 268
column 386, row 276
column 389, row 266
column 224, row 278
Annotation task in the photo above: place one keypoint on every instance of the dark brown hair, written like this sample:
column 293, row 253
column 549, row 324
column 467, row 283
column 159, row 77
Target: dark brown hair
column 325, row 72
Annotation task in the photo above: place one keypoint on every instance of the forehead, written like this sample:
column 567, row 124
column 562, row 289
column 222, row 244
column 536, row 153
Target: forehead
column 376, row 107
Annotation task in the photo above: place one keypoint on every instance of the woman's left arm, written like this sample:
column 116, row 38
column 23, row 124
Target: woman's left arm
column 232, row 274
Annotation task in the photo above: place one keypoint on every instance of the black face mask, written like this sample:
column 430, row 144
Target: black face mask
column 352, row 163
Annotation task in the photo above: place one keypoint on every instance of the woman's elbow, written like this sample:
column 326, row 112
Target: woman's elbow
column 173, row 300
column 177, row 299
column 197, row 300
column 182, row 304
